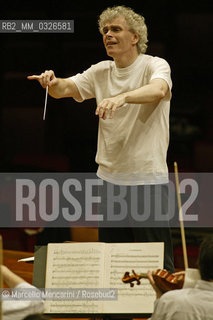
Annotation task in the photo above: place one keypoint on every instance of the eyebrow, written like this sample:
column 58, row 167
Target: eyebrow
column 112, row 26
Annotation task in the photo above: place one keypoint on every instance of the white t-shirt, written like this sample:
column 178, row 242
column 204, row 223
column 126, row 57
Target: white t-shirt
column 132, row 147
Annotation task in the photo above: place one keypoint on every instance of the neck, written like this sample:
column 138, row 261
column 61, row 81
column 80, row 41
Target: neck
column 125, row 60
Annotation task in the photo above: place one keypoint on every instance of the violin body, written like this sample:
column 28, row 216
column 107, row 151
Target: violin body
column 166, row 281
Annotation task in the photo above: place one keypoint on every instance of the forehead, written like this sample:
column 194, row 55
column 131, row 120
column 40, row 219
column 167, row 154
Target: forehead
column 118, row 21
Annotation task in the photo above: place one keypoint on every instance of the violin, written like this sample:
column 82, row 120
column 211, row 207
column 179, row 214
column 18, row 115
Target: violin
column 164, row 280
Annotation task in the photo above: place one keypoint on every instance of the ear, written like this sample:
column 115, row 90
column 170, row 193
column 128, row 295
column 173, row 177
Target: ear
column 135, row 38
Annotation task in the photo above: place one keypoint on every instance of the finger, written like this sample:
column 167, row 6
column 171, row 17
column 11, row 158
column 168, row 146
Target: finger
column 106, row 112
column 104, row 115
column 34, row 77
column 98, row 109
column 46, row 79
column 101, row 108
column 112, row 112
column 49, row 76
column 42, row 81
column 179, row 273
column 150, row 277
column 101, row 112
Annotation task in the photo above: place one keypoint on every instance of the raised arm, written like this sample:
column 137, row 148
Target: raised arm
column 57, row 87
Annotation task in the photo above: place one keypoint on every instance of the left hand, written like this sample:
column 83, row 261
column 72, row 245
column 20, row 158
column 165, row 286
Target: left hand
column 154, row 286
column 180, row 274
column 108, row 106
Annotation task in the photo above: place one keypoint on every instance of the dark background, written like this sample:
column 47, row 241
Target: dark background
column 179, row 31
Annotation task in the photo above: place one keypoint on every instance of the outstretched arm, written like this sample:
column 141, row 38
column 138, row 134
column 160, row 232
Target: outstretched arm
column 150, row 93
column 57, row 87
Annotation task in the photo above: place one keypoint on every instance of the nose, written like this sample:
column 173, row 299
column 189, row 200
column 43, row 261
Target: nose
column 108, row 33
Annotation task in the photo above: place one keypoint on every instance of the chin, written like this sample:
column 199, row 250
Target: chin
column 110, row 53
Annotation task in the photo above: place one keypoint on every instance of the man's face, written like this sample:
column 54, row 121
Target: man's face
column 117, row 38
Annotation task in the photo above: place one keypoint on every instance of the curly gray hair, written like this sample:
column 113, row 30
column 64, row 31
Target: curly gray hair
column 135, row 22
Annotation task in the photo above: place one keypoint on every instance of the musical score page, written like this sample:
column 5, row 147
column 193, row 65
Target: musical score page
column 74, row 265
column 102, row 265
column 140, row 257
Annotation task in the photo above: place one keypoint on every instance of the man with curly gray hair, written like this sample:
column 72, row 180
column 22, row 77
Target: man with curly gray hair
column 133, row 94
column 135, row 22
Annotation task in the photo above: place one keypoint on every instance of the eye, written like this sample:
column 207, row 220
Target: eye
column 105, row 30
column 116, row 29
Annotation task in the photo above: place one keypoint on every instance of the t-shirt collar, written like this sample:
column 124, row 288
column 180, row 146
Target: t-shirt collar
column 126, row 70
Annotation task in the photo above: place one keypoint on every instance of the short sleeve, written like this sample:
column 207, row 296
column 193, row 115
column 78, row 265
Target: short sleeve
column 160, row 69
column 85, row 83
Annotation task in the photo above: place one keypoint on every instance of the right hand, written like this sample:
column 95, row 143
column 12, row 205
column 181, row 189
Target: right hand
column 45, row 79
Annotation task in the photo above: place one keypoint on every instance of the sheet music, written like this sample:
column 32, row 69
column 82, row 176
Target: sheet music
column 74, row 265
column 139, row 257
column 102, row 265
